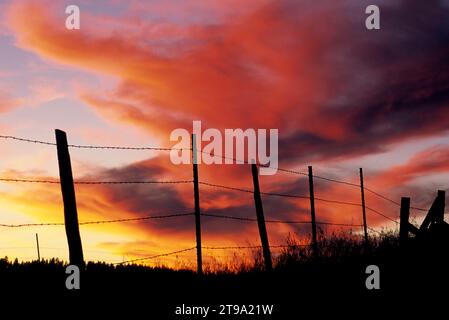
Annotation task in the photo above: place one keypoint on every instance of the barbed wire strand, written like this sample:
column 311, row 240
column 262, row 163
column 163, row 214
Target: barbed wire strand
column 248, row 247
column 374, row 230
column 189, row 149
column 278, row 194
column 200, row 182
column 27, row 140
column 154, row 256
column 279, row 221
column 134, row 182
column 298, row 196
column 98, row 221
column 127, row 148
column 381, row 214
column 28, row 180
column 252, row 219
column 97, row 182
column 250, row 191
column 8, row 137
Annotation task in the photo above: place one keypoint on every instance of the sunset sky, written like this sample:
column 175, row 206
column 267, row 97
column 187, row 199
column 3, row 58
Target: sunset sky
column 342, row 97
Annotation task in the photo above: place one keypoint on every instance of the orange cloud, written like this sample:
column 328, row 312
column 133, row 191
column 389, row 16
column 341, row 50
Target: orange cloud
column 7, row 102
column 237, row 74
column 270, row 66
column 424, row 163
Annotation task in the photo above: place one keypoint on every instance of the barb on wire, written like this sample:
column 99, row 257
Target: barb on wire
column 155, row 256
column 98, row 221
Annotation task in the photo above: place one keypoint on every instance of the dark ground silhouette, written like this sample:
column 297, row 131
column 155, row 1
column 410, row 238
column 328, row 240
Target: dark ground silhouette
column 334, row 283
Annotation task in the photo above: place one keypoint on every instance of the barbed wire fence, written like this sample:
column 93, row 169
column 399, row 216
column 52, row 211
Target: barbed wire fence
column 196, row 212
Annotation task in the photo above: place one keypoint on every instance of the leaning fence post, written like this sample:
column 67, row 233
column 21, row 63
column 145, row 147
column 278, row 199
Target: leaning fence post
column 436, row 211
column 405, row 213
column 197, row 206
column 37, row 247
column 362, row 190
column 69, row 199
column 439, row 217
column 261, row 219
column 312, row 212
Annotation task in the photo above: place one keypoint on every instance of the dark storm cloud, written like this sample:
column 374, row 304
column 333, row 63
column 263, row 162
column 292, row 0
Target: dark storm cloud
column 392, row 84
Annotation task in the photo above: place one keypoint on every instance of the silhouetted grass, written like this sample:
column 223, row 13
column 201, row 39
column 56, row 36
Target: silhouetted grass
column 337, row 272
column 341, row 248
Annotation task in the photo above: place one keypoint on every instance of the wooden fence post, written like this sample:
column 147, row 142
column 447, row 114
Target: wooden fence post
column 403, row 227
column 439, row 217
column 261, row 219
column 436, row 211
column 37, row 246
column 312, row 212
column 362, row 188
column 69, row 199
column 197, row 206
